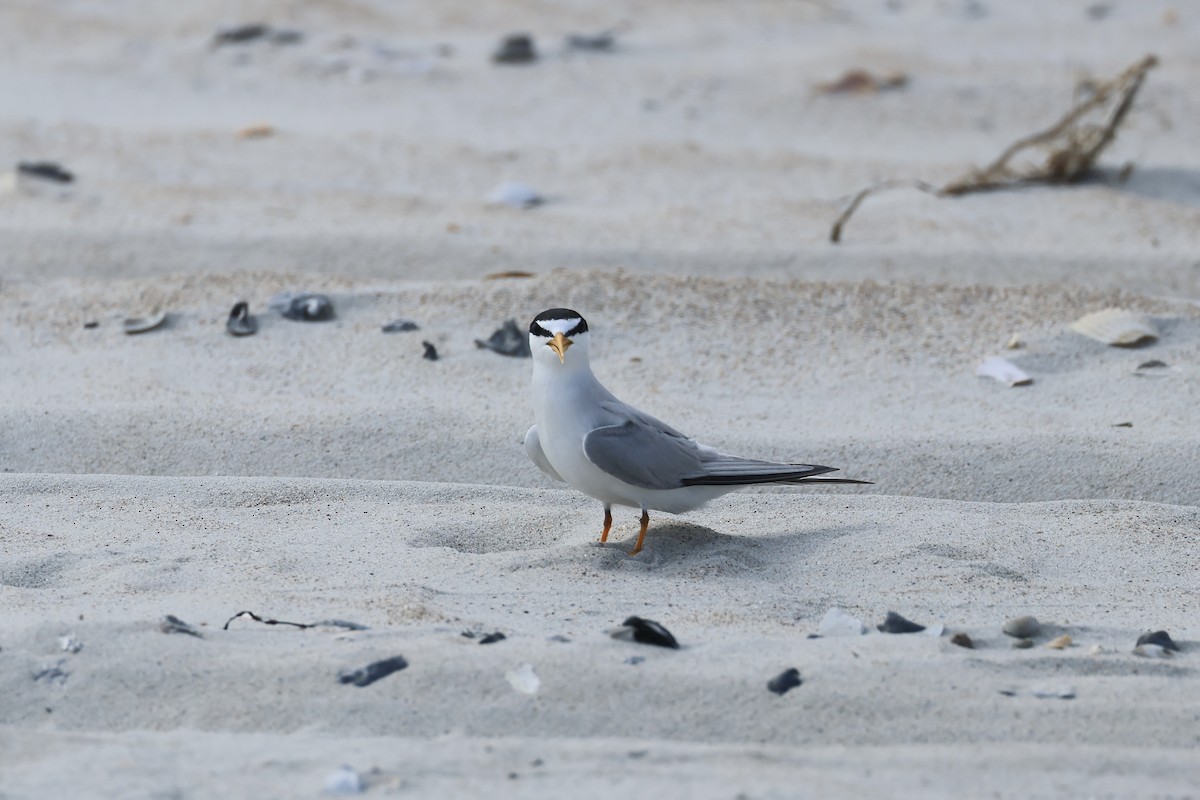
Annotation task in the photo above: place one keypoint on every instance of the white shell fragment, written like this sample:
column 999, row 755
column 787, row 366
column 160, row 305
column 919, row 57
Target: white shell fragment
column 344, row 780
column 69, row 644
column 524, row 679
column 134, row 325
column 839, row 623
column 1116, row 327
column 515, row 195
column 1003, row 370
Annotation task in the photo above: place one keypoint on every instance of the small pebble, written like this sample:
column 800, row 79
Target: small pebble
column 837, row 622
column 173, row 624
column 595, row 42
column 1060, row 643
column 492, row 638
column 524, row 679
column 365, row 676
column 239, row 34
column 516, row 48
column 894, row 623
column 1022, row 644
column 1022, row 627
column 785, row 681
column 344, row 780
column 1053, row 692
column 431, row 353
column 91, row 324
column 1160, row 638
column 400, row 326
column 635, row 660
column 962, row 640
column 647, row 631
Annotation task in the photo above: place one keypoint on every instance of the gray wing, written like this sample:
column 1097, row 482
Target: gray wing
column 645, row 452
column 533, row 447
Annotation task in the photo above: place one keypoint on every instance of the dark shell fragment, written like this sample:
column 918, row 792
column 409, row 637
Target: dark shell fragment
column 516, row 48
column 240, row 34
column 647, row 631
column 785, row 681
column 492, row 638
column 431, row 353
column 1160, row 638
column 507, row 340
column 173, row 624
column 46, row 170
column 240, row 323
column 894, row 623
column 365, row 676
column 400, row 326
column 962, row 640
column 306, row 307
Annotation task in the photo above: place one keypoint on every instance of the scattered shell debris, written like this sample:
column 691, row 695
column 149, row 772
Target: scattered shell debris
column 1116, row 327
column 365, row 676
column 785, row 681
column 837, row 622
column 133, row 325
column 523, row 679
column 1002, row 370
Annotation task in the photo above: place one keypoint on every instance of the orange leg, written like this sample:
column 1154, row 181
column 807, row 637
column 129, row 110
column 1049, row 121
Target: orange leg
column 607, row 524
column 642, row 533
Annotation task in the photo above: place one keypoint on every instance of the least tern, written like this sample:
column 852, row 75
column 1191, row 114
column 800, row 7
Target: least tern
column 587, row 438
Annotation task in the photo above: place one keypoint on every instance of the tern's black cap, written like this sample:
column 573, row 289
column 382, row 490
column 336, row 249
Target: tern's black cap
column 536, row 328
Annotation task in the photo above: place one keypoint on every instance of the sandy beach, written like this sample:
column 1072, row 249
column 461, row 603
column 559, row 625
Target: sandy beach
column 327, row 471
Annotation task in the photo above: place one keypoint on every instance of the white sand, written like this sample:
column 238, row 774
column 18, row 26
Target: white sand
column 328, row 471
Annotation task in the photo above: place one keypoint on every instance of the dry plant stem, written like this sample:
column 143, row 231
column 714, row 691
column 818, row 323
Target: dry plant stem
column 1073, row 147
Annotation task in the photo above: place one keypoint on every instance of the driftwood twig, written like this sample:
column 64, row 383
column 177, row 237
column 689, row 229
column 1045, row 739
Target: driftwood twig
column 1073, row 147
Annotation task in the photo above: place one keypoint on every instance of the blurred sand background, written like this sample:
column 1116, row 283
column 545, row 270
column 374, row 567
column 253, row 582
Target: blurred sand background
column 326, row 470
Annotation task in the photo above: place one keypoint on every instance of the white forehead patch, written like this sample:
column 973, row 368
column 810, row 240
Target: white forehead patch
column 559, row 325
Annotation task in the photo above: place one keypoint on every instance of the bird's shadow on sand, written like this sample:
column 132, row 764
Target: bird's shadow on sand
column 683, row 547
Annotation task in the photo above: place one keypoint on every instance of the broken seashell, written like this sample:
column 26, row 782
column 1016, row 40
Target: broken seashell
column 647, row 631
column 515, row 195
column 134, row 325
column 837, row 622
column 1116, row 327
column 1003, row 370
column 1014, row 343
column 431, row 353
column 1059, row 643
column 302, row 306
column 173, row 624
column 516, row 48
column 962, row 640
column 1022, row 627
column 365, row 676
column 240, row 323
column 507, row 340
column 523, row 679
column 400, row 326
column 1160, row 638
column 894, row 623
column 785, row 681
